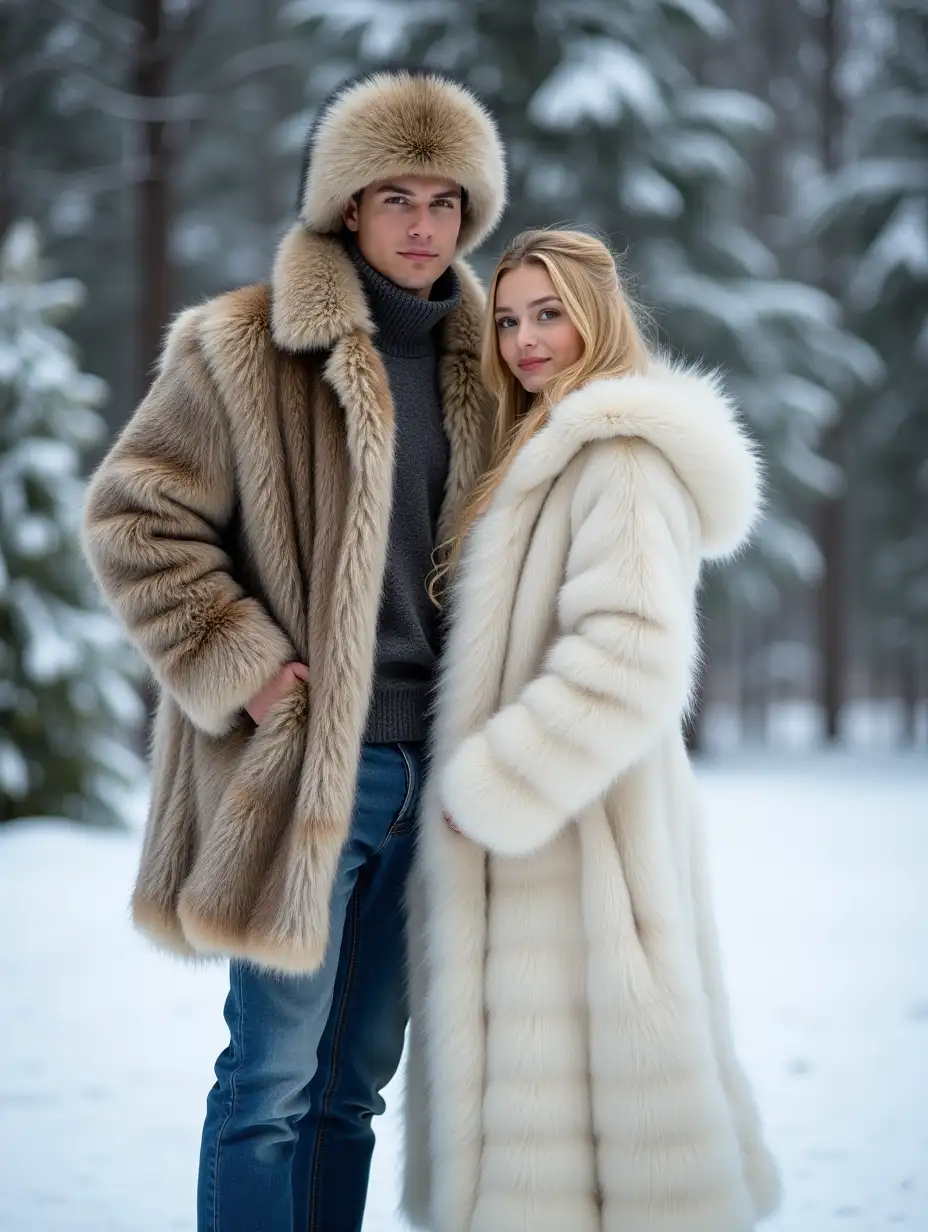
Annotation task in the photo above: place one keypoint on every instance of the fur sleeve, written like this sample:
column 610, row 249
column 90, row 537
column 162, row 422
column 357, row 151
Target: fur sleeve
column 616, row 677
column 153, row 524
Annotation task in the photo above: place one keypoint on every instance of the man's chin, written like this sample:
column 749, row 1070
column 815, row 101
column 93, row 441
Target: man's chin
column 417, row 278
column 414, row 283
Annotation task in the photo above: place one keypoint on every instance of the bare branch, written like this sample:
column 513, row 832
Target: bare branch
column 101, row 20
column 253, row 61
column 171, row 109
column 93, row 181
column 30, row 66
column 184, row 108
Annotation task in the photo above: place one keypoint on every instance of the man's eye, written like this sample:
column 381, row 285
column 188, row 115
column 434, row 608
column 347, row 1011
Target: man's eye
column 446, row 202
column 396, row 200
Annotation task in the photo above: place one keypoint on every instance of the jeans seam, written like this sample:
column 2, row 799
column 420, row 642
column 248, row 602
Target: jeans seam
column 234, row 972
column 410, row 786
column 336, row 1052
column 407, row 799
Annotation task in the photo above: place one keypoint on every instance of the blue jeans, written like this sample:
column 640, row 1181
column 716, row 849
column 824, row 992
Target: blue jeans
column 288, row 1139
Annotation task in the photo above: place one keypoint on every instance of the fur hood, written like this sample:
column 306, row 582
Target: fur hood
column 404, row 123
column 682, row 413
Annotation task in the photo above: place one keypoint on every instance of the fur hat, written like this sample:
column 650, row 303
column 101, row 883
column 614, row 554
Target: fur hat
column 403, row 123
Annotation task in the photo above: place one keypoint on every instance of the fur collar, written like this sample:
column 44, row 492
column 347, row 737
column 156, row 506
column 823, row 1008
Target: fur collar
column 681, row 412
column 317, row 298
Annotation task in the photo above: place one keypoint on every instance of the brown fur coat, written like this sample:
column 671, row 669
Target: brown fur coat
column 241, row 521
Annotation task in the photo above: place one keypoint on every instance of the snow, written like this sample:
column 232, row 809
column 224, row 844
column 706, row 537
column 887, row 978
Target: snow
column 693, row 153
column 385, row 23
column 872, row 181
column 901, row 244
column 732, row 111
column 784, row 541
column 740, row 245
column 598, row 81
column 14, row 773
column 820, row 866
column 645, row 191
column 704, row 14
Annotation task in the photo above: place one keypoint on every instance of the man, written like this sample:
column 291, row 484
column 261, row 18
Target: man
column 264, row 528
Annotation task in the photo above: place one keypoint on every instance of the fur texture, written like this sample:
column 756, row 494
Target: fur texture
column 571, row 1063
column 399, row 124
column 241, row 521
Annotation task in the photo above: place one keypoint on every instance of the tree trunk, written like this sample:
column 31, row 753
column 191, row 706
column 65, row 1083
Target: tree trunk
column 154, row 198
column 832, row 522
column 909, row 693
column 6, row 178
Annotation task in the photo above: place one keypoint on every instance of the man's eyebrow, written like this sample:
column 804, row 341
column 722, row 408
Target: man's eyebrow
column 545, row 299
column 410, row 192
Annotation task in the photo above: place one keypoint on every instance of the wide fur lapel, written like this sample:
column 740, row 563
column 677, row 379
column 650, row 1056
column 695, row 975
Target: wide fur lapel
column 318, row 303
column 316, row 295
column 680, row 411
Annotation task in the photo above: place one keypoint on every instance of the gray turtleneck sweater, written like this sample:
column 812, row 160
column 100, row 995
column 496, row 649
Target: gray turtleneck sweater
column 408, row 631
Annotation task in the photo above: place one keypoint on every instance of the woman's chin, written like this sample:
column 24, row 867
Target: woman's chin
column 532, row 382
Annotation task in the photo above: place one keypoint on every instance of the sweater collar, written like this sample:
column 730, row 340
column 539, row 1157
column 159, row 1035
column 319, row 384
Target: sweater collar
column 404, row 323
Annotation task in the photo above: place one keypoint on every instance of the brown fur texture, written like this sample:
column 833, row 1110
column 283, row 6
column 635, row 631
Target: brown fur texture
column 241, row 521
column 395, row 124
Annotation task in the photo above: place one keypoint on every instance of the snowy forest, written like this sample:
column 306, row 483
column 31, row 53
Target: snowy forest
column 760, row 166
column 760, row 169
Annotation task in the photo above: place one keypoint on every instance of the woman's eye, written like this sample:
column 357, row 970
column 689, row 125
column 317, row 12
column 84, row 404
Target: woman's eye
column 550, row 314
column 505, row 323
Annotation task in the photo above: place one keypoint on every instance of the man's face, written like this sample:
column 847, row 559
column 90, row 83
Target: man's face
column 407, row 229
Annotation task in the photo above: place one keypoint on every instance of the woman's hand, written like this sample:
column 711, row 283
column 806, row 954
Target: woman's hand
column 275, row 689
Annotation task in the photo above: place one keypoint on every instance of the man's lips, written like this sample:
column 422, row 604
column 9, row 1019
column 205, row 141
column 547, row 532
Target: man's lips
column 415, row 254
column 531, row 363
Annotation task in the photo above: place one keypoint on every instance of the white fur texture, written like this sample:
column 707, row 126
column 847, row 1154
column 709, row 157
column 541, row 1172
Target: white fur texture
column 572, row 1066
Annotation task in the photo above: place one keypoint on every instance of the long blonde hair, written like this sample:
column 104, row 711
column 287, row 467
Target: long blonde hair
column 587, row 282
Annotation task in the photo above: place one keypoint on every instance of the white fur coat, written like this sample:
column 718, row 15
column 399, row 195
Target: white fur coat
column 571, row 1064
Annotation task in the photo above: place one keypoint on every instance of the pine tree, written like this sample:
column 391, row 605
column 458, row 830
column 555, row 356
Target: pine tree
column 874, row 215
column 68, row 710
column 608, row 127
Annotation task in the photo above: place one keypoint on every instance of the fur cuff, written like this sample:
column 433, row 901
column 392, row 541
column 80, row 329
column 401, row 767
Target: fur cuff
column 243, row 654
column 493, row 807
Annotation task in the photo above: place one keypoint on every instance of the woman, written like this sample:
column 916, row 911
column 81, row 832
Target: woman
column 571, row 1066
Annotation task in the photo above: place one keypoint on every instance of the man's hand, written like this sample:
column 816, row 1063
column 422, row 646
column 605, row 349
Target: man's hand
column 275, row 689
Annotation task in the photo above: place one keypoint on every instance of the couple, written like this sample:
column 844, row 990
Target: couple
column 266, row 527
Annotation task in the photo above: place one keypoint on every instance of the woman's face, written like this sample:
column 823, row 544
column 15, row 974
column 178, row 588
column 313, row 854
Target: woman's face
column 537, row 340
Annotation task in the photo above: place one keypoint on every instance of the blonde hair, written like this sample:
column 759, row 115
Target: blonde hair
column 585, row 278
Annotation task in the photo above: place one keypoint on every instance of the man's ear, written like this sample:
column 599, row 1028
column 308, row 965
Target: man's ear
column 351, row 215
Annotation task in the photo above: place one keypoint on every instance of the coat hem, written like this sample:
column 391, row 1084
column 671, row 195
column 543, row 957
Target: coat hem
column 207, row 938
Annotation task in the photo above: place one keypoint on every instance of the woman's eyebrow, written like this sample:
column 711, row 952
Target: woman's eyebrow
column 545, row 299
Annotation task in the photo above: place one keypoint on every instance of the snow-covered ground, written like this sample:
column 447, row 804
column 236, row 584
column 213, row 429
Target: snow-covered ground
column 821, row 868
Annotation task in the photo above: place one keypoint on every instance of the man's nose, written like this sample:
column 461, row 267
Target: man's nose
column 421, row 224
